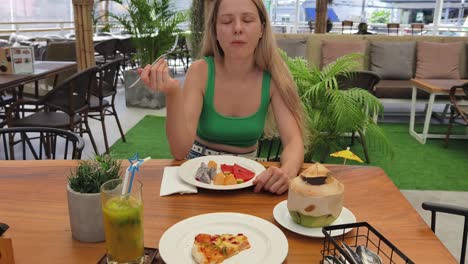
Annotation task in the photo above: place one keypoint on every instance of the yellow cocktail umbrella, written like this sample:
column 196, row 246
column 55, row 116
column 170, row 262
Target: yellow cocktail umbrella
column 346, row 154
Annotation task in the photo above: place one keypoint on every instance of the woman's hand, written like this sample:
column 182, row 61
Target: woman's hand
column 273, row 179
column 157, row 78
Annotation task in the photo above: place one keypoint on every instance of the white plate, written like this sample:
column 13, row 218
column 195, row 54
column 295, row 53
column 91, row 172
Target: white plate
column 268, row 244
column 189, row 168
column 282, row 216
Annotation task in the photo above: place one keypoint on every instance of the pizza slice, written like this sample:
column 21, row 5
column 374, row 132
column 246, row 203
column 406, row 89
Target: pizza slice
column 214, row 249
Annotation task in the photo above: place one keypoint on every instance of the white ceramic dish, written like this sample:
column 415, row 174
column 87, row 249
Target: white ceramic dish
column 188, row 169
column 268, row 243
column 282, row 216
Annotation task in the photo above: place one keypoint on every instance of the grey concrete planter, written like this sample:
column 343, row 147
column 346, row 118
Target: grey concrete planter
column 139, row 95
column 85, row 216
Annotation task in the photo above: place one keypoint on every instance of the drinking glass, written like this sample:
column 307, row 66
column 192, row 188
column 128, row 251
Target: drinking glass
column 123, row 222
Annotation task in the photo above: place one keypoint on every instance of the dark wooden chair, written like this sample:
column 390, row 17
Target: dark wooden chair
column 106, row 86
column 458, row 108
column 361, row 79
column 452, row 210
column 346, row 23
column 393, row 28
column 40, row 143
column 106, row 51
column 64, row 107
column 417, row 26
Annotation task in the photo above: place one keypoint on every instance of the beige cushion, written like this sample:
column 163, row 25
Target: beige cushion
column 393, row 60
column 314, row 46
column 332, row 50
column 463, row 55
column 438, row 60
column 293, row 47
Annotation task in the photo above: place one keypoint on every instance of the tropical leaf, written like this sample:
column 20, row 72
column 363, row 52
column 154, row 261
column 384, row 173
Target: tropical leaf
column 153, row 25
column 331, row 112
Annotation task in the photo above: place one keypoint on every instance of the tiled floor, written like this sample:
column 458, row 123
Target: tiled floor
column 449, row 228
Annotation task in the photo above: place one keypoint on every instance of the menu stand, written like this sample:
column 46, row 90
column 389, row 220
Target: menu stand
column 6, row 251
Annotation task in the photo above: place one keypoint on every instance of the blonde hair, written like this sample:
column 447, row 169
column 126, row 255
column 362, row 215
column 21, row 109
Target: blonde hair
column 266, row 57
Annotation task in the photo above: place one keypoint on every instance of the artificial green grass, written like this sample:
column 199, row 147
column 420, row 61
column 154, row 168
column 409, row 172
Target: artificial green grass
column 147, row 137
column 414, row 166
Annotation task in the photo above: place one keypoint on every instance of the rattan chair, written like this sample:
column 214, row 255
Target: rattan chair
column 106, row 86
column 55, row 51
column 7, row 97
column 269, row 149
column 106, row 50
column 126, row 50
column 361, row 79
column 365, row 80
column 64, row 107
column 40, row 143
column 458, row 108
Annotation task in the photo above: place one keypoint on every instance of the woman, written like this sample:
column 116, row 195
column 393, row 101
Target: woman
column 223, row 106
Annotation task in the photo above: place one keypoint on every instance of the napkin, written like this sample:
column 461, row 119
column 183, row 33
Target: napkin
column 172, row 183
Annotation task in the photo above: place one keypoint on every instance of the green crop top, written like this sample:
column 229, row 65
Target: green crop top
column 234, row 131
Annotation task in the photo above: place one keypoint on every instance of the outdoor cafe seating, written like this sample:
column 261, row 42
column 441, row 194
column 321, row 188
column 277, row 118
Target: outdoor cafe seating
column 105, row 87
column 64, row 107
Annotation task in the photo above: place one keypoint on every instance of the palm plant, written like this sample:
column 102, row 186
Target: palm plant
column 101, row 12
column 152, row 25
column 332, row 112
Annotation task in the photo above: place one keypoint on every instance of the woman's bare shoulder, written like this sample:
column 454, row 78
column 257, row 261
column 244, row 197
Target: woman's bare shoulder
column 198, row 67
column 197, row 75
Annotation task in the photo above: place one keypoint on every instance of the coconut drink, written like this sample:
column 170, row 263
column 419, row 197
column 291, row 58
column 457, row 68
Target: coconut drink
column 315, row 198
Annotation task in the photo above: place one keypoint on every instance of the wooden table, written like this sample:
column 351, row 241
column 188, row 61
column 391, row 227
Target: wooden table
column 434, row 87
column 42, row 69
column 33, row 202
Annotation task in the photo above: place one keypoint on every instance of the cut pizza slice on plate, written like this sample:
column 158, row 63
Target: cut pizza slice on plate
column 214, row 249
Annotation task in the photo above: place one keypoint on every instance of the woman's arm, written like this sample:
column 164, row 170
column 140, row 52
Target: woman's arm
column 276, row 180
column 183, row 105
column 183, row 110
column 292, row 156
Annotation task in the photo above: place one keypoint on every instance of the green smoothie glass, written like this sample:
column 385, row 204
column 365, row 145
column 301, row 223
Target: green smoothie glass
column 123, row 222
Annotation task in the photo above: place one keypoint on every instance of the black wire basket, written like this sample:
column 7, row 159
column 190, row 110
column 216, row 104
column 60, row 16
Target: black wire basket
column 363, row 234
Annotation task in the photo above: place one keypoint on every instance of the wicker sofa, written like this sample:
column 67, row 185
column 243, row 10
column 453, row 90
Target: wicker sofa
column 395, row 83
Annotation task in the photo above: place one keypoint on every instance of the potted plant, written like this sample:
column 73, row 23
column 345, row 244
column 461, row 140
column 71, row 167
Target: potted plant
column 331, row 112
column 152, row 25
column 84, row 200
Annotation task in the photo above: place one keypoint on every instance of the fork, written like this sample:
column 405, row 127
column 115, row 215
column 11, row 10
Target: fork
column 152, row 64
column 156, row 61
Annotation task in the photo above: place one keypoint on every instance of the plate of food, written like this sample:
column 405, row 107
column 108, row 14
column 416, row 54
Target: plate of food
column 282, row 216
column 221, row 172
column 223, row 237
